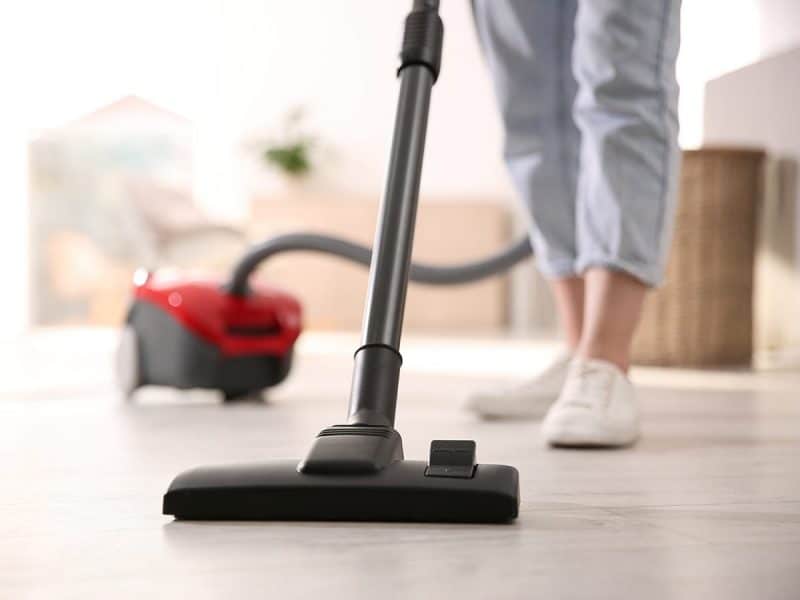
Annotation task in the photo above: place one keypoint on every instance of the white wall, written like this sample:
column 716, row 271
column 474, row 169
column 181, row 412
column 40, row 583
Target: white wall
column 235, row 67
column 739, row 113
column 339, row 60
column 779, row 25
column 716, row 36
column 720, row 36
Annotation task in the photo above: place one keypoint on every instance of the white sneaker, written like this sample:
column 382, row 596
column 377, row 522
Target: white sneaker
column 597, row 407
column 528, row 400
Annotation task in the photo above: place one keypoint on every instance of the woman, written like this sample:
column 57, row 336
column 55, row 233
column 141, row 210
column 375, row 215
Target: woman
column 588, row 96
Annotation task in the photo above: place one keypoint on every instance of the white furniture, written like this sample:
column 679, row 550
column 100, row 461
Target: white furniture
column 758, row 105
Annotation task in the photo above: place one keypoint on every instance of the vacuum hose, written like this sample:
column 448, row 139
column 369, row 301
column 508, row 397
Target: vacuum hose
column 421, row 273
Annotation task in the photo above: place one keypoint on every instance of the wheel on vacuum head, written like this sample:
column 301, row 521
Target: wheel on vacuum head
column 127, row 367
column 274, row 368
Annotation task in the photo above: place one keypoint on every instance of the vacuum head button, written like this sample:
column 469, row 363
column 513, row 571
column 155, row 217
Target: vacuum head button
column 451, row 458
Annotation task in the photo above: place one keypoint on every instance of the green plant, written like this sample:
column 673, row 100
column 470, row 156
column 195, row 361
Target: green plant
column 291, row 151
column 293, row 159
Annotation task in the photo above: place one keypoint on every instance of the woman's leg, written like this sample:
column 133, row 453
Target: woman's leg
column 569, row 295
column 528, row 47
column 626, row 109
column 613, row 306
column 624, row 62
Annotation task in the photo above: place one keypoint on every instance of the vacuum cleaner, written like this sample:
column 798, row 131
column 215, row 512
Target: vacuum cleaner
column 238, row 337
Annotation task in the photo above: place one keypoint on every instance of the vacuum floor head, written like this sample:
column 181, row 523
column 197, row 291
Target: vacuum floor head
column 401, row 491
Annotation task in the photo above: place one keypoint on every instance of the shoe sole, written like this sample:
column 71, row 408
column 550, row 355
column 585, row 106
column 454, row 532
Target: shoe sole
column 495, row 413
column 576, row 438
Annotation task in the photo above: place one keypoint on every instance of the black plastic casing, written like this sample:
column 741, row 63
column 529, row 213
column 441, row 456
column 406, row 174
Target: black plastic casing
column 171, row 355
column 422, row 41
column 398, row 492
column 352, row 449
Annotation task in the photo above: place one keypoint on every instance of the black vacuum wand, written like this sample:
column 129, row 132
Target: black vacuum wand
column 356, row 470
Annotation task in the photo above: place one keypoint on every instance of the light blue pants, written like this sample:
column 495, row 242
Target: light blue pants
column 588, row 97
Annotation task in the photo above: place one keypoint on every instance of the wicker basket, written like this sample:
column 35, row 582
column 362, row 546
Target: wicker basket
column 703, row 314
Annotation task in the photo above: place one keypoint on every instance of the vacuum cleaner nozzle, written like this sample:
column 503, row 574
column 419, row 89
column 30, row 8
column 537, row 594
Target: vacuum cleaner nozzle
column 402, row 491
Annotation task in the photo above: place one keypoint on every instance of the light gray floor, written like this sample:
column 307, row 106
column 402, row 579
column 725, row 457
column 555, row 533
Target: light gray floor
column 706, row 506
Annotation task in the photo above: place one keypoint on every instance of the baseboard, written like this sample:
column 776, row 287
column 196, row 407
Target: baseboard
column 777, row 359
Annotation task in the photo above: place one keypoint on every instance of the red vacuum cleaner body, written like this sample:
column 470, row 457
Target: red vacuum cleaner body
column 195, row 334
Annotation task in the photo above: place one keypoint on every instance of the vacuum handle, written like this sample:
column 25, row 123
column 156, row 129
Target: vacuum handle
column 373, row 396
column 391, row 257
column 426, row 5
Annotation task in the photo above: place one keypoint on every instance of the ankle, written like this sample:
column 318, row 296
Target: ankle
column 616, row 356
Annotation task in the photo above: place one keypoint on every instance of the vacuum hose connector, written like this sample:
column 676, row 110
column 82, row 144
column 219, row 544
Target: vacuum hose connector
column 422, row 38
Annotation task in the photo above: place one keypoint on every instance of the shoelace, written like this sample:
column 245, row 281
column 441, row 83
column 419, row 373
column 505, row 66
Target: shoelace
column 588, row 381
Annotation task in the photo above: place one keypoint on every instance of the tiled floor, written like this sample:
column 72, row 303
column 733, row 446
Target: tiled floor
column 706, row 506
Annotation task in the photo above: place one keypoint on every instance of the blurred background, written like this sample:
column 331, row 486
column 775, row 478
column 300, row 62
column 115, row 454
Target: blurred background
column 173, row 134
